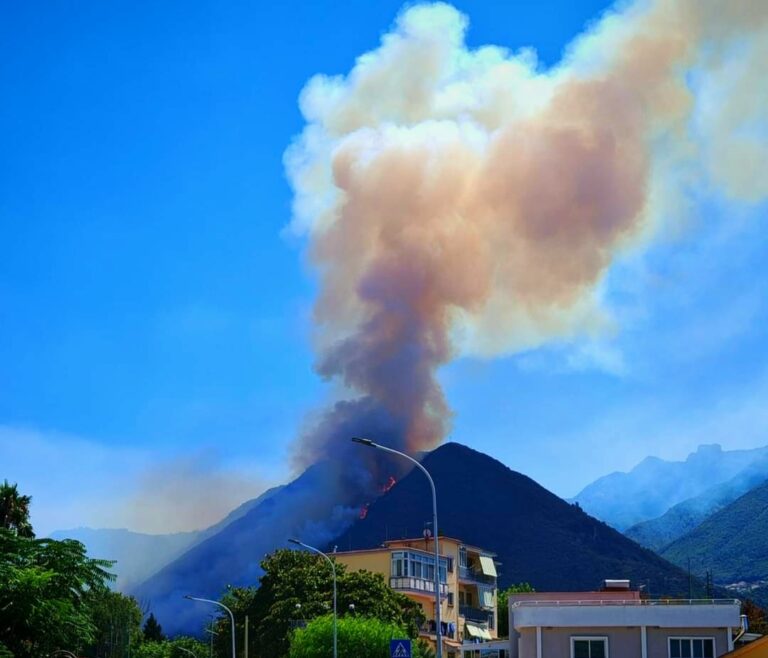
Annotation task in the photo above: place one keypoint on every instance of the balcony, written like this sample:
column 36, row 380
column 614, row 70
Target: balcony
column 448, row 629
column 468, row 574
column 416, row 585
column 476, row 614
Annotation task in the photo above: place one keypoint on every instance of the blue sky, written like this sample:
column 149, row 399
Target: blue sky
column 155, row 315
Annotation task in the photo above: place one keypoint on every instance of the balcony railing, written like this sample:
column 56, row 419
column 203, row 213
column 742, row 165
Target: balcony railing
column 412, row 584
column 448, row 629
column 468, row 573
column 475, row 614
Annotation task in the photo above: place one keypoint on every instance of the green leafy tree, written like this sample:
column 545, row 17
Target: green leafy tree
column 14, row 510
column 358, row 637
column 177, row 648
column 503, row 605
column 296, row 587
column 45, row 586
column 117, row 619
column 153, row 632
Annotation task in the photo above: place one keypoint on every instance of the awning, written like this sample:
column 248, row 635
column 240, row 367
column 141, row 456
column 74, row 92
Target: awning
column 486, row 598
column 487, row 566
column 477, row 631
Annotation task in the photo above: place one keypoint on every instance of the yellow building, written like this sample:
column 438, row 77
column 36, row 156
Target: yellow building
column 468, row 585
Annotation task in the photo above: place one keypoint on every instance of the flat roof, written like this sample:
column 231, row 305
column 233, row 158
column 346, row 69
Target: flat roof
column 442, row 538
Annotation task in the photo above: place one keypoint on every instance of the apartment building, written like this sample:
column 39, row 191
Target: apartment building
column 618, row 623
column 468, row 592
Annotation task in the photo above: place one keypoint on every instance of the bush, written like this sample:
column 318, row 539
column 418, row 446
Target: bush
column 358, row 637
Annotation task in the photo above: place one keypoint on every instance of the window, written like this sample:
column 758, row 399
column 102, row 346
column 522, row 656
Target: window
column 462, row 557
column 691, row 647
column 450, row 599
column 450, row 565
column 417, row 565
column 589, row 647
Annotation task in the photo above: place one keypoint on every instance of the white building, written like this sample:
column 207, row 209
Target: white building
column 619, row 624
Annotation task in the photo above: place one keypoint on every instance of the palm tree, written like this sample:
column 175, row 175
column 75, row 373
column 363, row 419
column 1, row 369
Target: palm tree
column 14, row 510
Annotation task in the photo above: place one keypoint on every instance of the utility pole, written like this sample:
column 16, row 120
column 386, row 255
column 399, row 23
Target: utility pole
column 246, row 636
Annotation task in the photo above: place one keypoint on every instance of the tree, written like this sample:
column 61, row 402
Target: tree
column 756, row 616
column 153, row 632
column 359, row 637
column 14, row 510
column 117, row 619
column 503, row 605
column 297, row 587
column 45, row 587
column 176, row 648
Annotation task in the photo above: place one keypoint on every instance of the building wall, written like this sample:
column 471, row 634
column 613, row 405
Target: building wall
column 374, row 561
column 622, row 642
column 658, row 645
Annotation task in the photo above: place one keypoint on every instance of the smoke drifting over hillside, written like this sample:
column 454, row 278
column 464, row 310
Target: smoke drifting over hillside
column 464, row 201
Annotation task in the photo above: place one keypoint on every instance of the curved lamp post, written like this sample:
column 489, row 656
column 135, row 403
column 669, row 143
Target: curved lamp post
column 221, row 605
column 372, row 444
column 333, row 570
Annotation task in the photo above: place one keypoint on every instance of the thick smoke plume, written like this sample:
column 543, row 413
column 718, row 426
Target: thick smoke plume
column 464, row 200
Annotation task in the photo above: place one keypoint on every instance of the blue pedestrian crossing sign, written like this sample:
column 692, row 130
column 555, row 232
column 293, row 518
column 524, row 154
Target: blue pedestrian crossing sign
column 400, row 648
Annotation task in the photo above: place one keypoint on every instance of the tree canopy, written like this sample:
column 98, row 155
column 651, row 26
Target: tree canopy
column 503, row 605
column 358, row 637
column 45, row 587
column 297, row 587
column 14, row 510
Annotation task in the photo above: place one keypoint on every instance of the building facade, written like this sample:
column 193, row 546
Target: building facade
column 619, row 624
column 468, row 592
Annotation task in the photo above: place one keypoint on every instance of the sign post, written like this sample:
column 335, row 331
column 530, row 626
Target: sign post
column 400, row 648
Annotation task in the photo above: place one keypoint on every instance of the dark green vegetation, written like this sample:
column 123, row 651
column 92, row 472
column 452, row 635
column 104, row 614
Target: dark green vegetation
column 14, row 510
column 731, row 543
column 654, row 485
column 538, row 537
column 53, row 596
column 48, row 593
column 358, row 637
column 297, row 587
column 503, row 605
column 680, row 519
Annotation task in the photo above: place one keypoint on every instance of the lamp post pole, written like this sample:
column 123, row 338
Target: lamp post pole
column 372, row 444
column 221, row 605
column 333, row 571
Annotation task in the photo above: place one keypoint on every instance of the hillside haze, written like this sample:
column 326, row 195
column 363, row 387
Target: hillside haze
column 731, row 543
column 538, row 537
column 655, row 485
column 682, row 518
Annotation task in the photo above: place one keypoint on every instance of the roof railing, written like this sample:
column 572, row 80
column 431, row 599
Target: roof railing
column 620, row 602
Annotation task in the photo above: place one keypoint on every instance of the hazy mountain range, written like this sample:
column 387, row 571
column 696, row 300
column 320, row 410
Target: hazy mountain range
column 654, row 486
column 732, row 543
column 138, row 555
column 684, row 517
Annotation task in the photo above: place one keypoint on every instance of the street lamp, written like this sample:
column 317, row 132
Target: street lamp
column 221, row 605
column 333, row 570
column 372, row 444
column 191, row 653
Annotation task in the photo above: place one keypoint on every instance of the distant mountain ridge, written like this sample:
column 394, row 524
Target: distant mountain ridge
column 682, row 518
column 731, row 543
column 139, row 555
column 652, row 487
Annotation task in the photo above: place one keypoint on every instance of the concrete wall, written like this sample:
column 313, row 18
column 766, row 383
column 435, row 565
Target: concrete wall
column 622, row 642
column 658, row 645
